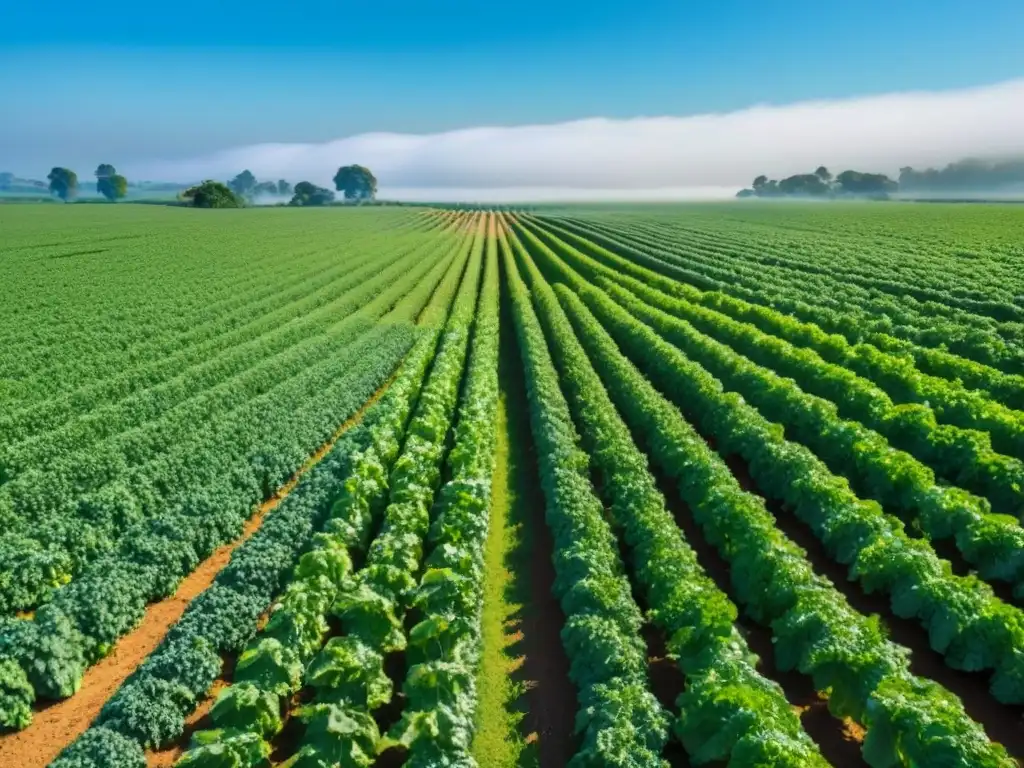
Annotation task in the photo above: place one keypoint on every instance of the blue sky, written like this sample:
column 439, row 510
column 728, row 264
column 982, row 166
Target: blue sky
column 126, row 82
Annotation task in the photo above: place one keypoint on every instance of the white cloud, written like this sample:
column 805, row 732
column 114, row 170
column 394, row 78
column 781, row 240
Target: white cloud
column 708, row 155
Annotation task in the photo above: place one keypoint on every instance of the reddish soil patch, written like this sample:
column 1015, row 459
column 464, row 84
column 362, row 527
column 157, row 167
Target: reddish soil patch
column 56, row 725
column 667, row 683
column 550, row 697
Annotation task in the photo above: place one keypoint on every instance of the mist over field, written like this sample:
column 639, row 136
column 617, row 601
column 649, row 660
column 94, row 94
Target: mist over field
column 694, row 157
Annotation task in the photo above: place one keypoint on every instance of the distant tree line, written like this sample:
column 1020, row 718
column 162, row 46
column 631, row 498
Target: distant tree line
column 970, row 175
column 11, row 183
column 63, row 183
column 963, row 176
column 822, row 184
column 247, row 187
column 356, row 182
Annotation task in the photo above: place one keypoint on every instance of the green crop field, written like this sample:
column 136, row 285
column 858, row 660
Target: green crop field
column 726, row 484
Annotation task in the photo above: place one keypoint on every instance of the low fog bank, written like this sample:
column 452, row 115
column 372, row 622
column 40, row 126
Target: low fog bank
column 269, row 199
column 993, row 195
column 551, row 194
column 660, row 158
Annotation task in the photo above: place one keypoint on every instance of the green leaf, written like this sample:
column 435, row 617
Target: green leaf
column 349, row 671
column 269, row 666
column 226, row 749
column 244, row 707
column 336, row 735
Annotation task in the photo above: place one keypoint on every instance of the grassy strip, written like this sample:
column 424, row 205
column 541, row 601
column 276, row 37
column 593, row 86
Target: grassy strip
column 498, row 741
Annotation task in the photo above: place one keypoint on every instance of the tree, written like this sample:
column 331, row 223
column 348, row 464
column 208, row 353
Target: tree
column 109, row 184
column 243, row 184
column 804, row 184
column 283, row 188
column 307, row 193
column 969, row 176
column 6, row 180
column 759, row 182
column 823, row 173
column 212, row 194
column 356, row 182
column 268, row 188
column 875, row 185
column 63, row 183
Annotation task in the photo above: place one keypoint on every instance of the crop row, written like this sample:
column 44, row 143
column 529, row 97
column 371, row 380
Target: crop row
column 894, row 374
column 829, row 254
column 909, row 720
column 349, row 677
column 728, row 711
column 243, row 440
column 161, row 380
column 339, row 499
column 885, row 325
column 149, row 307
column 348, row 673
column 86, row 617
column 438, row 721
column 908, row 243
column 994, row 543
column 890, row 362
column 43, row 449
column 962, row 454
column 965, row 621
column 972, row 335
column 619, row 722
column 861, row 280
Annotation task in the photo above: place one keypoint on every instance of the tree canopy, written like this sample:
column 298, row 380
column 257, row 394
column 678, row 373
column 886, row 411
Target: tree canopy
column 246, row 185
column 869, row 184
column 63, row 183
column 265, row 188
column 971, row 176
column 821, row 184
column 243, row 184
column 212, row 194
column 356, row 182
column 307, row 193
column 109, row 183
column 809, row 184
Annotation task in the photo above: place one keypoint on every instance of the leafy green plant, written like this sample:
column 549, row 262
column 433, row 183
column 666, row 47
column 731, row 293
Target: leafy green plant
column 226, row 749
column 815, row 629
column 244, row 707
column 727, row 707
column 601, row 632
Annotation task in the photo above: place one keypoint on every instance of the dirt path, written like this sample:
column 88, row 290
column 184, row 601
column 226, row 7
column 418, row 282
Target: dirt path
column 56, row 725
